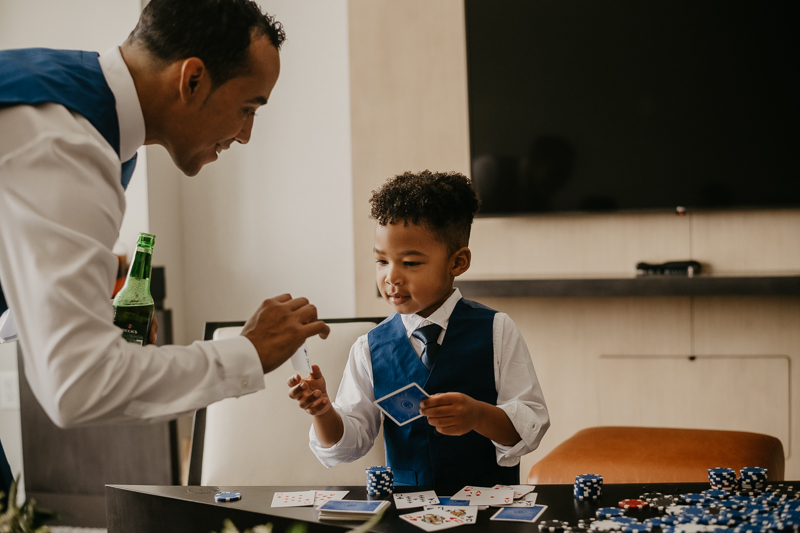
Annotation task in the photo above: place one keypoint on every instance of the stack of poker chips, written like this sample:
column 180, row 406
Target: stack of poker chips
column 722, row 478
column 588, row 487
column 380, row 480
column 752, row 478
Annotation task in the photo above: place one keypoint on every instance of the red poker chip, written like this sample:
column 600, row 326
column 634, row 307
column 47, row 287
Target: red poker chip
column 633, row 504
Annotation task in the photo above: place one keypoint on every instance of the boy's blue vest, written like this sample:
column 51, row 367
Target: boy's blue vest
column 73, row 79
column 417, row 454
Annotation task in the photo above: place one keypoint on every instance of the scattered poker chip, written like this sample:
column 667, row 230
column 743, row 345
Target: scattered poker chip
column 648, row 496
column 552, row 526
column 676, row 509
column 227, row 496
column 660, row 504
column 716, row 494
column 608, row 512
column 750, row 528
column 625, row 520
column 633, row 504
column 693, row 498
column 636, row 528
column 605, row 525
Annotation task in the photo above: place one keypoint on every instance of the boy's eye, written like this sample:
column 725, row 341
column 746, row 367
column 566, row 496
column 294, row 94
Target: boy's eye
column 412, row 263
column 380, row 261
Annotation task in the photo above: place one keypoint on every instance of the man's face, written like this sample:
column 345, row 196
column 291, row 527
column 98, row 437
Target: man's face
column 216, row 120
column 414, row 270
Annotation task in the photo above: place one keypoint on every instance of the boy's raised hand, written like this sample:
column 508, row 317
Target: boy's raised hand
column 311, row 393
column 451, row 413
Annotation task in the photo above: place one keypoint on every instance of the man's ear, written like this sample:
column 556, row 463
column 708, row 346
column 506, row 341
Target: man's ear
column 461, row 261
column 194, row 80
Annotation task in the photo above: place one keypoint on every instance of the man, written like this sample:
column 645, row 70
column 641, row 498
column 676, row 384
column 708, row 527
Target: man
column 190, row 78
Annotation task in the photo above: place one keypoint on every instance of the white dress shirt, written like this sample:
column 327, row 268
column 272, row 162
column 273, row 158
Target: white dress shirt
column 61, row 207
column 518, row 392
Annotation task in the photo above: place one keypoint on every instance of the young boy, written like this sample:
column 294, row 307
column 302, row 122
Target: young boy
column 486, row 407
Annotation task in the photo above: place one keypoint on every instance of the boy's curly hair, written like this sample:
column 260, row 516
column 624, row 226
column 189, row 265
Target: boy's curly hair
column 445, row 202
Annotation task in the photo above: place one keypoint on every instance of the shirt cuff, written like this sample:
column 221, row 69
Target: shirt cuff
column 243, row 371
column 336, row 454
column 525, row 422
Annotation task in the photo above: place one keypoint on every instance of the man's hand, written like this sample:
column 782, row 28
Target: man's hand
column 311, row 393
column 451, row 413
column 280, row 326
column 153, row 330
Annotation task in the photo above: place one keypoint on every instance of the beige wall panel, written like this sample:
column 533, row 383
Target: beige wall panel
column 567, row 336
column 703, row 392
column 571, row 246
column 766, row 242
column 755, row 326
column 409, row 106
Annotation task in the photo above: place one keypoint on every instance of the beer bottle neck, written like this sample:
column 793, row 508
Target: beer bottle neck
column 140, row 268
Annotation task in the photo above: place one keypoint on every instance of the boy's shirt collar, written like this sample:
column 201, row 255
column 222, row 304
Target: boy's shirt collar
column 440, row 317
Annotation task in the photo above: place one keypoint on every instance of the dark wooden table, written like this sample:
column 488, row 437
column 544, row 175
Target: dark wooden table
column 154, row 509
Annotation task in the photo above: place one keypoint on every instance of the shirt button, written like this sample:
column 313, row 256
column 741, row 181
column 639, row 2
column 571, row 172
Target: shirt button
column 245, row 383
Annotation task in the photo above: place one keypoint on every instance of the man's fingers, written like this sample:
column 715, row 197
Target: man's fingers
column 316, row 328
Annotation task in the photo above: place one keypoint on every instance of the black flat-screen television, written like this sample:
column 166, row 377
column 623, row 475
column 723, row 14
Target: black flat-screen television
column 605, row 105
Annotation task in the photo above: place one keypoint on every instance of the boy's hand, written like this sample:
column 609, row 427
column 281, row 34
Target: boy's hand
column 311, row 393
column 451, row 413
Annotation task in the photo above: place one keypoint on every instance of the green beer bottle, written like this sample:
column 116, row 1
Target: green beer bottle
column 133, row 304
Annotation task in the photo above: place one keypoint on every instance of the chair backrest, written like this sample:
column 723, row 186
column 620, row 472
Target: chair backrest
column 262, row 438
column 657, row 455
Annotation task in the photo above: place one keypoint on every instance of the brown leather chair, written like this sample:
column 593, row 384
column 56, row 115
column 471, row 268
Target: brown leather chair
column 656, row 455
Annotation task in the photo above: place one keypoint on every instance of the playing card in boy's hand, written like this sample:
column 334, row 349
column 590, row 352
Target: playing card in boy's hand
column 402, row 405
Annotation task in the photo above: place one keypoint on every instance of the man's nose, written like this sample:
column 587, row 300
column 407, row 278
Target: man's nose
column 244, row 134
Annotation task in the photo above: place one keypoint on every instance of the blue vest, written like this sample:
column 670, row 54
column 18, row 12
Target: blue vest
column 73, row 79
column 417, row 454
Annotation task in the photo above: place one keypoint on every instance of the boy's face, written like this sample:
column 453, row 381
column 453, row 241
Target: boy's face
column 414, row 271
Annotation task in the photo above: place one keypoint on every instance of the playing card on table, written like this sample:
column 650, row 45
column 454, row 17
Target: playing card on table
column 467, row 513
column 443, row 500
column 323, row 496
column 519, row 490
column 432, row 520
column 485, row 495
column 402, row 405
column 293, row 499
column 529, row 500
column 300, row 361
column 406, row 500
column 520, row 514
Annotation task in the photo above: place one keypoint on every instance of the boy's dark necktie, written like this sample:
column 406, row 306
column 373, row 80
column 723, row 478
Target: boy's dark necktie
column 429, row 335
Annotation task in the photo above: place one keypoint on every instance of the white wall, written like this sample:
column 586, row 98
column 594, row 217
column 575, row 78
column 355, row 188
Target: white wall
column 275, row 215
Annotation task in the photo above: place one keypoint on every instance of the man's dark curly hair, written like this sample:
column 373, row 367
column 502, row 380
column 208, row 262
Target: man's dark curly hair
column 445, row 202
column 216, row 31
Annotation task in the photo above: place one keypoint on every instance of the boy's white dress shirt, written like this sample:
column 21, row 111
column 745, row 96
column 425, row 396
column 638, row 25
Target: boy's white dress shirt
column 518, row 391
column 61, row 207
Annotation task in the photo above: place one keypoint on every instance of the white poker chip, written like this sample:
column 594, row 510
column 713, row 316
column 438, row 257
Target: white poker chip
column 227, row 496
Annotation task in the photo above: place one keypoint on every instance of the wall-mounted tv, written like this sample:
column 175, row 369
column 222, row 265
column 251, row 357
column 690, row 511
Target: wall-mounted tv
column 590, row 105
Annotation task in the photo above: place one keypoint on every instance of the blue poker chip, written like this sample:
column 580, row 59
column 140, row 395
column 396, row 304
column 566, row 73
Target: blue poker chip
column 608, row 512
column 636, row 528
column 227, row 496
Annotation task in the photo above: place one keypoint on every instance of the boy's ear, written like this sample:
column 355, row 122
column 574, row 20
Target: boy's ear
column 461, row 261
